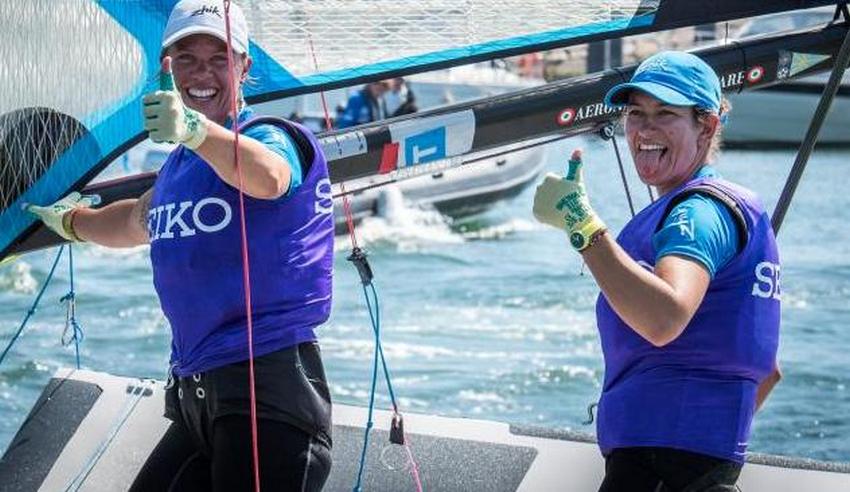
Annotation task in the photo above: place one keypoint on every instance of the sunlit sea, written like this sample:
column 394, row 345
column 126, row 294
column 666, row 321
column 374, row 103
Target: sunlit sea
column 490, row 318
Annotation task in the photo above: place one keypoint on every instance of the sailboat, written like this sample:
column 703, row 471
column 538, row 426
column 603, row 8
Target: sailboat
column 109, row 424
column 758, row 124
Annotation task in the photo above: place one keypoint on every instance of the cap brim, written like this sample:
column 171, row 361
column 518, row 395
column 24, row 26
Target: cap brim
column 191, row 30
column 618, row 96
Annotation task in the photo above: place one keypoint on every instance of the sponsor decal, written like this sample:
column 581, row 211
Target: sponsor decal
column 783, row 65
column 656, row 65
column 733, row 79
column 207, row 9
column 570, row 116
column 805, row 61
column 684, row 222
column 755, row 74
column 566, row 117
column 426, row 140
column 791, row 63
column 425, row 147
column 389, row 158
column 766, row 285
column 185, row 218
column 427, row 168
column 737, row 79
column 324, row 197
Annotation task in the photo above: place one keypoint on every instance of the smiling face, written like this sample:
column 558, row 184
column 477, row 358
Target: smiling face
column 668, row 143
column 199, row 63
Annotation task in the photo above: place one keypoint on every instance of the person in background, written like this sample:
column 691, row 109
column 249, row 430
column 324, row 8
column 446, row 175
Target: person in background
column 364, row 106
column 399, row 99
column 688, row 315
column 191, row 220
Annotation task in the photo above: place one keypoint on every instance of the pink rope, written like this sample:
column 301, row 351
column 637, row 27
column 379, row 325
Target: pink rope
column 414, row 468
column 246, row 277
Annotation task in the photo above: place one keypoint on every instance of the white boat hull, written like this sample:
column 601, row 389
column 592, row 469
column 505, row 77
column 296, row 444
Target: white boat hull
column 780, row 116
column 456, row 193
column 93, row 432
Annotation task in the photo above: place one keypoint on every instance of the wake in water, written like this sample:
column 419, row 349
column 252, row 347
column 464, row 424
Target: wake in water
column 482, row 230
column 402, row 226
column 18, row 278
column 408, row 228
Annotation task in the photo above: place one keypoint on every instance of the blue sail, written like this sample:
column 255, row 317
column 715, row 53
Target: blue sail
column 72, row 103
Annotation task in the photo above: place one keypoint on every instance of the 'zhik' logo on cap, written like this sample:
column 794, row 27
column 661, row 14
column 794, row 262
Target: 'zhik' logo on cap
column 657, row 65
column 207, row 9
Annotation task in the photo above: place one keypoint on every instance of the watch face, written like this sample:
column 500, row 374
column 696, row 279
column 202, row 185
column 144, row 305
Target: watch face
column 577, row 240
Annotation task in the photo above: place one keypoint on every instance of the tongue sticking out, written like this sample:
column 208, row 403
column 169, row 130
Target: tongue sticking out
column 650, row 162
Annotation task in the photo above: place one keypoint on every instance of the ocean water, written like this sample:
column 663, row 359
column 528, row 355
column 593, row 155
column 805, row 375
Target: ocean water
column 490, row 318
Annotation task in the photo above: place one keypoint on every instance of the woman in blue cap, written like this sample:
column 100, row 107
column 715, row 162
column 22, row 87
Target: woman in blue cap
column 191, row 220
column 688, row 315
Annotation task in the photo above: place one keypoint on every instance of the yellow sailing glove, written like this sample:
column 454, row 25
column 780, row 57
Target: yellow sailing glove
column 562, row 203
column 167, row 119
column 58, row 217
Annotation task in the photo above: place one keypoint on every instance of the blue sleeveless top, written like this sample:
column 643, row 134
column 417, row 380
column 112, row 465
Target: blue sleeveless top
column 194, row 230
column 698, row 392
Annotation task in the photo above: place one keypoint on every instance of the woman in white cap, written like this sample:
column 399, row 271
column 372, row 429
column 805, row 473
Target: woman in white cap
column 191, row 220
column 689, row 310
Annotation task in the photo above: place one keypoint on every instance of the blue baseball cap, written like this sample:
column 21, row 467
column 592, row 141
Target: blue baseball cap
column 673, row 77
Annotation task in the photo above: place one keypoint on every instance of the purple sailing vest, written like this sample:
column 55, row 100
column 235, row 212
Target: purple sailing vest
column 698, row 392
column 194, row 230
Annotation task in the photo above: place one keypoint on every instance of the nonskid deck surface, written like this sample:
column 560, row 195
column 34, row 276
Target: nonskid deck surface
column 93, row 431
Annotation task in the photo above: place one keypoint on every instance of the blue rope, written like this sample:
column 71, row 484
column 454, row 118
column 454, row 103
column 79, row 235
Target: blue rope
column 375, row 317
column 376, row 325
column 369, row 423
column 34, row 306
column 71, row 317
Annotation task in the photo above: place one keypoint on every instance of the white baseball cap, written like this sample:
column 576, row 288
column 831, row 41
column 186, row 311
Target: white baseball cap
column 206, row 17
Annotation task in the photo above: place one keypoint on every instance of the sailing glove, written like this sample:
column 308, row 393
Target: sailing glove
column 59, row 216
column 167, row 119
column 562, row 203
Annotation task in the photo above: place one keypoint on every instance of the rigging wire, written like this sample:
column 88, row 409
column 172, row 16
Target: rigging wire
column 478, row 158
column 841, row 60
column 608, row 133
column 34, row 307
column 359, row 258
column 246, row 277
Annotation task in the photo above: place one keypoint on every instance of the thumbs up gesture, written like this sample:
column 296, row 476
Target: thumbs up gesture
column 561, row 201
column 167, row 119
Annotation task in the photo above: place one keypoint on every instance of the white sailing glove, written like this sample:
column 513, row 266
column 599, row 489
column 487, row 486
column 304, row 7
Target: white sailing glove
column 59, row 216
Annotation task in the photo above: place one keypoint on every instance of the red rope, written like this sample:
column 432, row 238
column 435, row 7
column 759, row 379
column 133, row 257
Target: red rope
column 246, row 277
column 346, row 204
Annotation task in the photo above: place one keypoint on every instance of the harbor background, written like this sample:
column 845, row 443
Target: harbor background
column 487, row 319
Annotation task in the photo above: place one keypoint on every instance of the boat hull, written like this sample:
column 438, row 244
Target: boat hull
column 456, row 193
column 779, row 116
column 93, row 431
